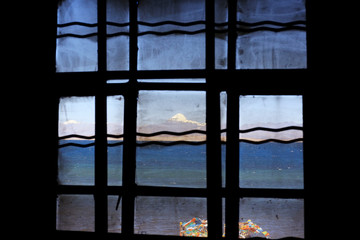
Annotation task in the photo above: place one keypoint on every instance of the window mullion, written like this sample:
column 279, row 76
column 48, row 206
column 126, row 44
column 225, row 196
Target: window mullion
column 232, row 167
column 101, row 128
column 213, row 148
column 130, row 115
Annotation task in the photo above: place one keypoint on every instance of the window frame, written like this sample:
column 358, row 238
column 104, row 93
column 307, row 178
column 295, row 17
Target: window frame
column 95, row 84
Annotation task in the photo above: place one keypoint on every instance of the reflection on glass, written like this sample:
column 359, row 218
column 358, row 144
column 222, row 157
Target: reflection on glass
column 176, row 50
column 279, row 218
column 75, row 54
column 115, row 128
column 271, row 164
column 76, row 154
column 117, row 12
column 274, row 112
column 171, row 52
column 114, row 214
column 221, row 39
column 75, row 213
column 269, row 49
column 171, row 159
column 164, row 215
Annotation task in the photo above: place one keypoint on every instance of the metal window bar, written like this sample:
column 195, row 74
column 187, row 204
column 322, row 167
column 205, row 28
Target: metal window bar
column 96, row 83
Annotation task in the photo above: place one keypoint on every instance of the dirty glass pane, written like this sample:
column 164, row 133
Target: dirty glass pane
column 171, row 52
column 174, row 50
column 75, row 213
column 74, row 54
column 114, row 214
column 223, row 126
column 221, row 38
column 265, row 163
column 171, row 159
column 117, row 14
column 276, row 218
column 166, row 215
column 76, row 154
column 285, row 49
column 115, row 131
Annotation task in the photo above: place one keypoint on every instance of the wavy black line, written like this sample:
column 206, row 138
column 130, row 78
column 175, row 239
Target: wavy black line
column 77, row 23
column 118, row 24
column 76, row 136
column 76, row 145
column 88, row 145
column 183, row 24
column 271, row 129
column 170, row 133
column 271, row 140
column 115, row 136
column 143, row 144
column 77, row 35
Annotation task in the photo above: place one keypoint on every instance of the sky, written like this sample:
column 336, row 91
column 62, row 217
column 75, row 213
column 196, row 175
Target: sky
column 77, row 114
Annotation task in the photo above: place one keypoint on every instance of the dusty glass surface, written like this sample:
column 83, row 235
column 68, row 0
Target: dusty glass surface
column 117, row 14
column 177, row 50
column 264, row 161
column 173, row 158
column 76, row 155
column 265, row 49
column 115, row 131
column 75, row 213
column 114, row 214
column 74, row 54
column 279, row 218
column 163, row 215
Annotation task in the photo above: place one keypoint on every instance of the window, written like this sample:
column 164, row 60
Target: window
column 170, row 121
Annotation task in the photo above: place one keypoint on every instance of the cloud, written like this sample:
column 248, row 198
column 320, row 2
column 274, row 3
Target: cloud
column 179, row 117
column 71, row 122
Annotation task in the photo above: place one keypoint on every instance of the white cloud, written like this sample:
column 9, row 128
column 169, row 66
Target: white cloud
column 179, row 117
column 71, row 122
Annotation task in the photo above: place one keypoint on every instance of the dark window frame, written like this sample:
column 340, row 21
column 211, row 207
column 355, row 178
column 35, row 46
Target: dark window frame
column 233, row 81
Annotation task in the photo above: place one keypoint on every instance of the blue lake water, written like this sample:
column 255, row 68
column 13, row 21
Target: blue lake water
column 268, row 165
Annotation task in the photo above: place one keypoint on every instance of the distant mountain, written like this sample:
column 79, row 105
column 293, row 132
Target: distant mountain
column 177, row 123
column 261, row 135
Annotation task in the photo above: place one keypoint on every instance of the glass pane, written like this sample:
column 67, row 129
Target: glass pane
column 223, row 123
column 221, row 38
column 279, row 49
column 115, row 130
column 76, row 153
column 265, row 163
column 171, row 52
column 279, row 218
column 279, row 11
column 74, row 54
column 180, row 50
column 114, row 214
column 167, row 215
column 75, row 213
column 117, row 14
column 175, row 10
column 169, row 159
column 277, row 111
